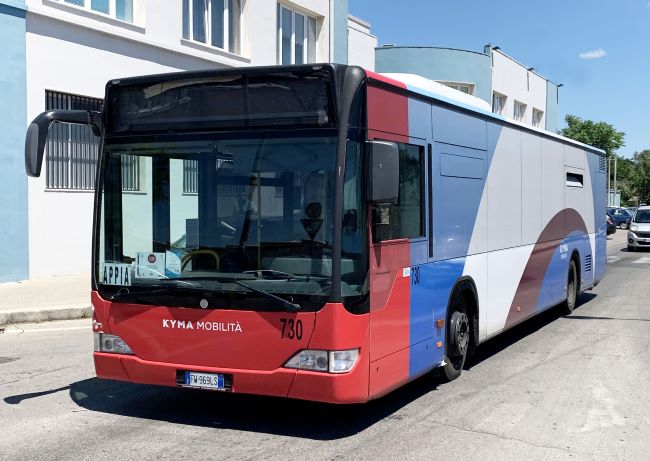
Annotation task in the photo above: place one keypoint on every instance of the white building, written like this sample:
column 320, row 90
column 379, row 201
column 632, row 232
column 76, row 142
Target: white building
column 518, row 91
column 72, row 48
column 513, row 89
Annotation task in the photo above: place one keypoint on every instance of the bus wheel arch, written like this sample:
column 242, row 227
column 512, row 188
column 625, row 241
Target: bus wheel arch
column 461, row 328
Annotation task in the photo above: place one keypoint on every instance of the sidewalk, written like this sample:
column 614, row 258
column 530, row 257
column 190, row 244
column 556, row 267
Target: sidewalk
column 49, row 298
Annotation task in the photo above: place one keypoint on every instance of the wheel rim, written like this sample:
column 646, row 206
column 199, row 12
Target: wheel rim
column 459, row 339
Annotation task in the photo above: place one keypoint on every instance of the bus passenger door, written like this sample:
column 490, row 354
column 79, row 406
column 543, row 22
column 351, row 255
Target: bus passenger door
column 398, row 245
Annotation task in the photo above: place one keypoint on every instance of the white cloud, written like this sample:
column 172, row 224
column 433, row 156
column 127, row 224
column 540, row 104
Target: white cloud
column 593, row 54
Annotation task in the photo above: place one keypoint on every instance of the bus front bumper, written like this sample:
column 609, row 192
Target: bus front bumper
column 351, row 387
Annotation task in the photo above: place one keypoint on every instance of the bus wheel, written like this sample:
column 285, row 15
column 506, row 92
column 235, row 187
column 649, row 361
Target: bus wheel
column 457, row 344
column 572, row 289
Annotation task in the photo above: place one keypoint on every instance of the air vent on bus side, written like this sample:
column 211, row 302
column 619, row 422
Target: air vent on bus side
column 603, row 161
column 588, row 263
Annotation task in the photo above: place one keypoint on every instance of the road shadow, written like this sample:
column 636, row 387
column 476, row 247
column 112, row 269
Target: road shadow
column 515, row 334
column 637, row 250
column 277, row 416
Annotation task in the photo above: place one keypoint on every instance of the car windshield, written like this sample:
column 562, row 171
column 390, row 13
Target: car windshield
column 642, row 216
column 213, row 211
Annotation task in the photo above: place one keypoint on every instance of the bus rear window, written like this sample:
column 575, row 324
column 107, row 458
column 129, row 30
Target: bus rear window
column 222, row 102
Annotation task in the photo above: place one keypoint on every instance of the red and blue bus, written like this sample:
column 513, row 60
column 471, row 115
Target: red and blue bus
column 322, row 232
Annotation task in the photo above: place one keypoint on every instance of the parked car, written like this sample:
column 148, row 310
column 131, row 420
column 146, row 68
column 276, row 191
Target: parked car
column 611, row 225
column 639, row 234
column 621, row 217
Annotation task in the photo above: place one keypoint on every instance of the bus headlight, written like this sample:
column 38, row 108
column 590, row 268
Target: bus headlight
column 111, row 344
column 634, row 227
column 324, row 361
column 343, row 361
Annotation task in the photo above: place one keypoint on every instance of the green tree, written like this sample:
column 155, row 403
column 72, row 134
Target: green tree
column 598, row 134
column 641, row 175
column 626, row 179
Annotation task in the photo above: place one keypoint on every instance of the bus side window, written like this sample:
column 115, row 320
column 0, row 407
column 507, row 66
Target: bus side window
column 404, row 219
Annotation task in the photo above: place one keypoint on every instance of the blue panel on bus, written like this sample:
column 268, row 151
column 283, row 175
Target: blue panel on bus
column 431, row 285
column 461, row 166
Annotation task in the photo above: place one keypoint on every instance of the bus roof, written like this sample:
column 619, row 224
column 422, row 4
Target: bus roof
column 422, row 86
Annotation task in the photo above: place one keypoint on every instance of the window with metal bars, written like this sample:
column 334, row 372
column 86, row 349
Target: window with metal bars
column 130, row 173
column 190, row 176
column 191, row 179
column 72, row 150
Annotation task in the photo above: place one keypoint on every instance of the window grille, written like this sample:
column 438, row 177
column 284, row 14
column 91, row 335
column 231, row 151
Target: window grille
column 190, row 176
column 130, row 173
column 71, row 150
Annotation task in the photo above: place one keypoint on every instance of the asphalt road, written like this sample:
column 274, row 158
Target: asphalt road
column 575, row 387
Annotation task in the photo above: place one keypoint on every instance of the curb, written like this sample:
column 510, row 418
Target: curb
column 45, row 314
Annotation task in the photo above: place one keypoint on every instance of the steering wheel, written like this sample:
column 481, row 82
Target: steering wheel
column 188, row 257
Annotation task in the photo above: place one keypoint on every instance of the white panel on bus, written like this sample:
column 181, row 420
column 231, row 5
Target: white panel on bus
column 531, row 188
column 505, row 268
column 504, row 189
column 575, row 157
column 553, row 183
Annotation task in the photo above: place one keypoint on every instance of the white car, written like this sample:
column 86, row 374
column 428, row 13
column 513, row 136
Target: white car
column 639, row 234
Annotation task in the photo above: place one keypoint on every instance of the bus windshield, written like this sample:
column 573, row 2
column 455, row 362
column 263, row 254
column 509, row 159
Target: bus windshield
column 236, row 217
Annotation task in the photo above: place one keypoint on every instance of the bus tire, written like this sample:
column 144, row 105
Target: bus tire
column 572, row 288
column 457, row 339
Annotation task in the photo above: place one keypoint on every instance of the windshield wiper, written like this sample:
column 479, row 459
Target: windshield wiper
column 289, row 306
column 272, row 274
column 124, row 293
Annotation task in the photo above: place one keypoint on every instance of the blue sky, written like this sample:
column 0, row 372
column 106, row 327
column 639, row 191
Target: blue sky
column 609, row 82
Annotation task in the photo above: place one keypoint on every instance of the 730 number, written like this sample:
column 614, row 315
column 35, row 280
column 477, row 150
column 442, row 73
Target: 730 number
column 291, row 328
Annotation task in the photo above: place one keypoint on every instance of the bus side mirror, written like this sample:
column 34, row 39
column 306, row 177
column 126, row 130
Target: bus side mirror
column 383, row 172
column 37, row 134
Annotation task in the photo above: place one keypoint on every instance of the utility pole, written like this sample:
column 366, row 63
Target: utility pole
column 609, row 186
column 615, row 183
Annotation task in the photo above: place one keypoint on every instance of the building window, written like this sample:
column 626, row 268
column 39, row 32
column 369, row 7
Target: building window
column 130, row 173
column 213, row 22
column 538, row 115
column 71, row 150
column 498, row 103
column 190, row 176
column 467, row 88
column 119, row 9
column 405, row 218
column 519, row 111
column 296, row 37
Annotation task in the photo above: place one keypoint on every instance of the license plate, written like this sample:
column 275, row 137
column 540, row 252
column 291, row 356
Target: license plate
column 205, row 380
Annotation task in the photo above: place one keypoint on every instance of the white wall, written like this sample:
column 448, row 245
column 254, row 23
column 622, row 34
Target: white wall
column 361, row 44
column 514, row 80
